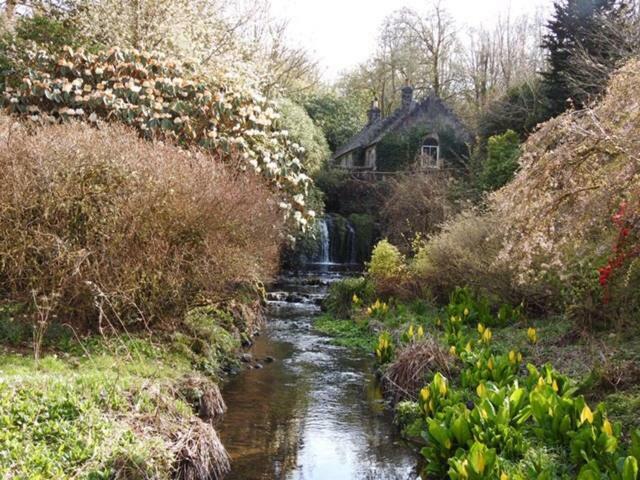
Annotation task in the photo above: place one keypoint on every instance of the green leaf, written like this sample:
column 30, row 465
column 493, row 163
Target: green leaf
column 440, row 434
column 630, row 469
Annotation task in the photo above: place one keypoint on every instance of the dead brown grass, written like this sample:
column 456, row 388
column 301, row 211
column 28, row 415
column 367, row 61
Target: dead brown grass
column 120, row 230
column 204, row 396
column 413, row 366
column 200, row 454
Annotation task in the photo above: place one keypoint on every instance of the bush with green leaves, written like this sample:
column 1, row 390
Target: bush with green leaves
column 303, row 131
column 163, row 100
column 501, row 162
column 347, row 294
column 386, row 261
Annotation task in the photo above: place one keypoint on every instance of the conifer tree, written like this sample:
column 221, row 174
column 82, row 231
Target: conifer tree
column 574, row 27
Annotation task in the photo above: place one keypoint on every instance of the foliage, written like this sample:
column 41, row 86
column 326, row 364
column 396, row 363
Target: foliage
column 346, row 333
column 575, row 25
column 378, row 309
column 486, row 427
column 476, row 309
column 115, row 409
column 163, row 100
column 575, row 172
column 399, row 150
column 385, row 348
column 340, row 117
column 347, row 294
column 465, row 252
column 501, row 162
column 386, row 262
column 121, row 230
column 520, row 109
column 303, row 131
column 620, row 271
column 365, row 231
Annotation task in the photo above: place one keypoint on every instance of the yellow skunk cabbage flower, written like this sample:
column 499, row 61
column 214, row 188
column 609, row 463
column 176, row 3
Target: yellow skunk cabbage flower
column 420, row 332
column 410, row 332
column 490, row 364
column 466, row 312
column 355, row 299
column 369, row 311
column 486, row 335
column 425, row 393
column 541, row 383
column 513, row 357
column 463, row 469
column 519, row 357
column 586, row 415
column 452, row 350
column 554, row 385
column 481, row 390
column 441, row 384
column 480, row 328
column 467, row 348
column 606, row 427
column 504, row 476
column 533, row 335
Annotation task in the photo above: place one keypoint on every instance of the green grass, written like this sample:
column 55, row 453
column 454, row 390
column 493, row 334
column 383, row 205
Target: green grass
column 69, row 417
column 102, row 408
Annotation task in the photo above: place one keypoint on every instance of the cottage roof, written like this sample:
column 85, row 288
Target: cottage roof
column 374, row 132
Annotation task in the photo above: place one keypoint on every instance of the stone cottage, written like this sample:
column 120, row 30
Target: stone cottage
column 429, row 116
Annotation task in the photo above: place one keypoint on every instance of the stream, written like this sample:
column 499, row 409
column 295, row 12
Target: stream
column 314, row 410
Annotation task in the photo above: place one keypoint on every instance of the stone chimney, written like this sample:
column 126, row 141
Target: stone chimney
column 407, row 95
column 374, row 112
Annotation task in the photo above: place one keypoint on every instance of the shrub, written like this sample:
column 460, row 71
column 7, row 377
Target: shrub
column 163, row 100
column 575, row 171
column 465, row 252
column 295, row 120
column 386, row 261
column 417, row 204
column 501, row 163
column 120, row 229
column 348, row 294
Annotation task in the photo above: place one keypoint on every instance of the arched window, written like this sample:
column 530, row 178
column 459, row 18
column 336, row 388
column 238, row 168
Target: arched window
column 430, row 152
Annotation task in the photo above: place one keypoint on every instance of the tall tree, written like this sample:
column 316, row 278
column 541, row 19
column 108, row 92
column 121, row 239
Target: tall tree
column 574, row 27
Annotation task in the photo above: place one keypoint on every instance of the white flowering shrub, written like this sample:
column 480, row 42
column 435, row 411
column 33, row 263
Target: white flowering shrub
column 164, row 100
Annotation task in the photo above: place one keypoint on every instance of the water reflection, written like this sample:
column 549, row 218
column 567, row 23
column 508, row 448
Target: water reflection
column 313, row 414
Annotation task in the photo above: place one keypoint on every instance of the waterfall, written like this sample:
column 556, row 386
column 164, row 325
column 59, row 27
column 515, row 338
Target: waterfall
column 324, row 254
column 336, row 242
column 351, row 245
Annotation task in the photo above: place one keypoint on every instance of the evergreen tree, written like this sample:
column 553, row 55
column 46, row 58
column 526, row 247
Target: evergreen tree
column 574, row 27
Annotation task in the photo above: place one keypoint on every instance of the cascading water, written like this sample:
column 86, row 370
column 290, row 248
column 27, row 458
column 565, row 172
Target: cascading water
column 324, row 254
column 336, row 242
column 351, row 244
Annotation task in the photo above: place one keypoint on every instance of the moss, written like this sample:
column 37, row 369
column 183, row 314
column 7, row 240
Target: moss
column 365, row 229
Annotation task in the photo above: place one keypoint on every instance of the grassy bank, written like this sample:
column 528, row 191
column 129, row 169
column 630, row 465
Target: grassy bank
column 125, row 407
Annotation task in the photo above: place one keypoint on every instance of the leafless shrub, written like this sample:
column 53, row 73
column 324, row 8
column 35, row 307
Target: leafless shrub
column 417, row 203
column 101, row 217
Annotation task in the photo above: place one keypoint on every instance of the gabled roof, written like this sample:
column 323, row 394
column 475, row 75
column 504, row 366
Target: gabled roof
column 374, row 132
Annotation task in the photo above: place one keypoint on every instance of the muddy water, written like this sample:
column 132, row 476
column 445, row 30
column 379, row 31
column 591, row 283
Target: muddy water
column 315, row 412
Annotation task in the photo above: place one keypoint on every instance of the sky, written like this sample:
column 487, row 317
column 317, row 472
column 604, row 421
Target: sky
column 343, row 33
